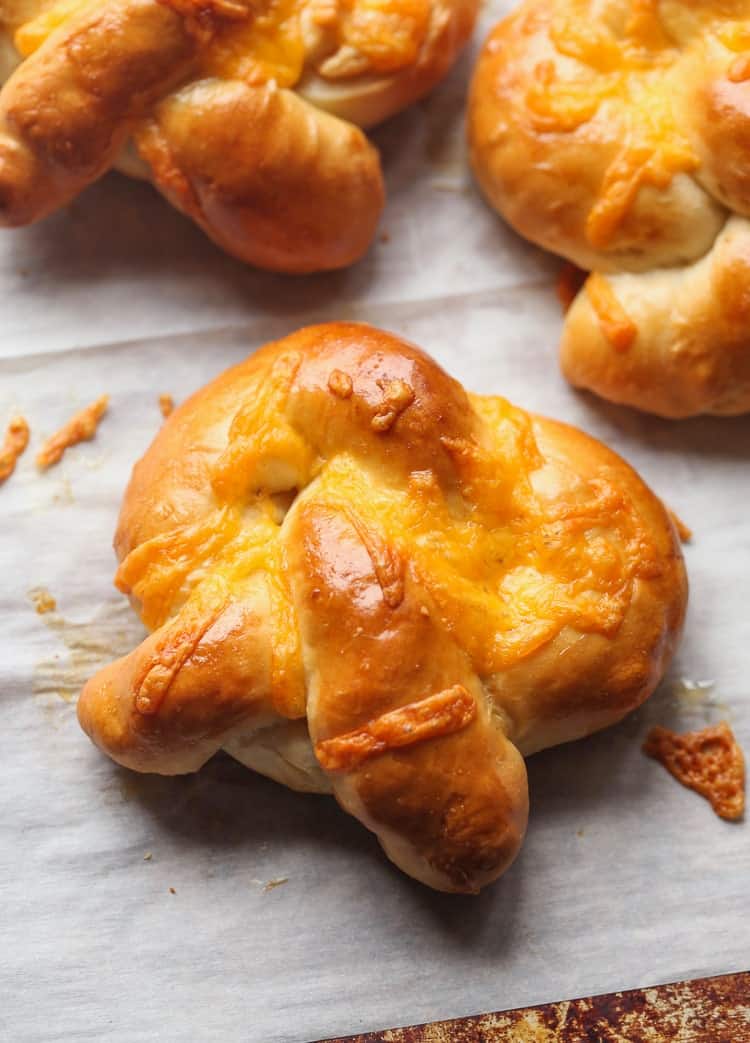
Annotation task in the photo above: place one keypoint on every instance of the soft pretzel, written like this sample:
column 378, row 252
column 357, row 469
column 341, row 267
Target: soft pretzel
column 361, row 579
column 617, row 133
column 241, row 112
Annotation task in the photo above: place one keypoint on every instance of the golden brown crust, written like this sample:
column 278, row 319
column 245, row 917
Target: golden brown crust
column 690, row 348
column 453, row 829
column 168, row 705
column 268, row 173
column 335, row 530
column 616, row 134
column 709, row 761
column 312, row 202
column 548, row 704
column 67, row 111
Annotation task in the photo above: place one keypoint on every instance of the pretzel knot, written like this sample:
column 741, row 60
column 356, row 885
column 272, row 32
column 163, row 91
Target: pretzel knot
column 617, row 134
column 245, row 114
column 395, row 612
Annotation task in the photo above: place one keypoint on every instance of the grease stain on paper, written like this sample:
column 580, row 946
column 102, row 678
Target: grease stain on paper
column 697, row 699
column 112, row 632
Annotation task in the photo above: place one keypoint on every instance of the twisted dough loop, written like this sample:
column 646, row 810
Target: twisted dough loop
column 333, row 531
column 273, row 178
column 616, row 133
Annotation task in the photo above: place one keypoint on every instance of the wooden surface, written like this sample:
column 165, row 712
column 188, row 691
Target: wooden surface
column 708, row 1010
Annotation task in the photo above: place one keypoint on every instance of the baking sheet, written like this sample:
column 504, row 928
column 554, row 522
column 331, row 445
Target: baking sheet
column 700, row 1011
column 626, row 879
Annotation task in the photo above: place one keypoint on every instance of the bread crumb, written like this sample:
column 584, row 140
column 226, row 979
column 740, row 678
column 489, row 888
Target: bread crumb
column 277, row 882
column 43, row 600
column 80, row 428
column 166, row 405
column 340, row 384
column 147, row 857
column 14, row 444
column 172, row 891
column 616, row 325
column 397, row 396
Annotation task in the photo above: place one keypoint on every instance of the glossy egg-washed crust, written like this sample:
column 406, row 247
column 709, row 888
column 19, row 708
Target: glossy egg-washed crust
column 438, row 583
column 245, row 114
column 617, row 134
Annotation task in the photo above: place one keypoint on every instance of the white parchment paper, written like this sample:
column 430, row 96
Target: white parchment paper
column 625, row 879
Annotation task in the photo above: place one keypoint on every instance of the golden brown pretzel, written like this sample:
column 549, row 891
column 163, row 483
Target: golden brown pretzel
column 617, row 133
column 241, row 112
column 334, row 536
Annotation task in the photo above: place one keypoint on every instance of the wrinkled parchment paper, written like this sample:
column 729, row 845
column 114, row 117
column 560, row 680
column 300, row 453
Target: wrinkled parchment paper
column 220, row 906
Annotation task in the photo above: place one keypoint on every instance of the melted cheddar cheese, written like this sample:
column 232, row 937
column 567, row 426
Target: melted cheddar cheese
column 709, row 761
column 437, row 715
column 615, row 323
column 269, row 41
column 30, row 36
column 389, row 33
column 623, row 76
column 266, row 47
column 505, row 567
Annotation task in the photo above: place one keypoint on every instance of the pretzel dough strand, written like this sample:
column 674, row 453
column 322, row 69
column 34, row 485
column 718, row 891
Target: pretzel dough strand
column 504, row 583
column 262, row 40
column 14, row 444
column 176, row 645
column 636, row 166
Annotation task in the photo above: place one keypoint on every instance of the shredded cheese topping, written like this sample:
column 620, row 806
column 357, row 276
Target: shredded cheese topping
column 436, row 715
column 80, row 428
column 504, row 567
column 14, row 444
column 615, row 323
column 272, row 39
column 623, row 79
